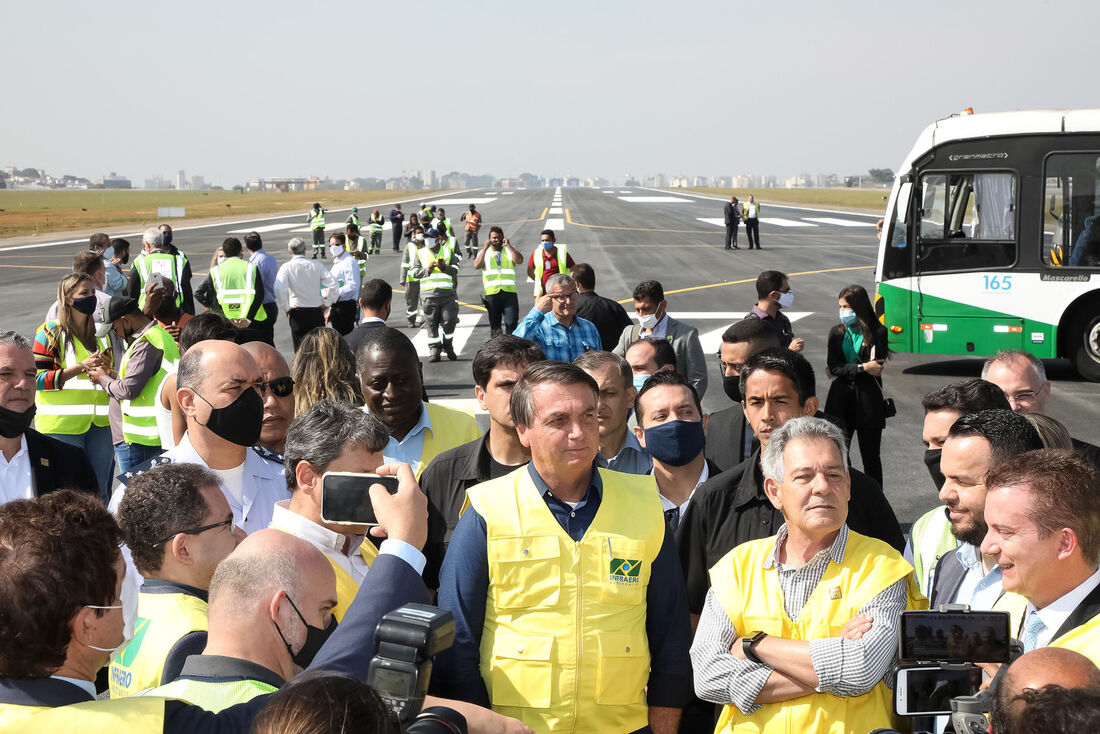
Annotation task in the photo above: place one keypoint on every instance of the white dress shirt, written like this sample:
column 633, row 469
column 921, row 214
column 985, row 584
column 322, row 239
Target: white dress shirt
column 345, row 271
column 303, row 283
column 1055, row 614
column 16, row 478
column 667, row 504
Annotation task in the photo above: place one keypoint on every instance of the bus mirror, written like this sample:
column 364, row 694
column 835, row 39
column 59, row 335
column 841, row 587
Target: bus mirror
column 905, row 194
column 1053, row 213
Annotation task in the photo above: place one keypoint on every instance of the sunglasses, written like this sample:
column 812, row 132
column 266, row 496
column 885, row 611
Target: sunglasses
column 194, row 531
column 280, row 388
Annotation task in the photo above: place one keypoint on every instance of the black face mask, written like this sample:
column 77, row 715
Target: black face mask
column 732, row 386
column 14, row 424
column 932, row 461
column 241, row 421
column 315, row 639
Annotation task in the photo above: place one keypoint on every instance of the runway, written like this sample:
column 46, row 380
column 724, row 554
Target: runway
column 627, row 234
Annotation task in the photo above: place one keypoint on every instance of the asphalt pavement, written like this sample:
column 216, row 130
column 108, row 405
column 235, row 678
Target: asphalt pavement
column 627, row 234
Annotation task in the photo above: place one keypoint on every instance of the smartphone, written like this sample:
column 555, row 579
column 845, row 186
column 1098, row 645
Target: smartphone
column 345, row 497
column 929, row 690
column 954, row 637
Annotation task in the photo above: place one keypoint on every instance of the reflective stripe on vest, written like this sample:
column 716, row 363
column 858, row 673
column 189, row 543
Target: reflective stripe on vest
column 753, row 598
column 139, row 415
column 412, row 258
column 79, row 403
column 317, row 220
column 540, row 266
column 499, row 273
column 213, row 696
column 375, row 225
column 124, row 716
column 436, row 280
column 564, row 643
column 235, row 286
column 162, row 620
column 159, row 263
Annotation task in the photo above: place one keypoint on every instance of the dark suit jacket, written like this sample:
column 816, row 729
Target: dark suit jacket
column 726, row 437
column 685, row 342
column 609, row 316
column 58, row 465
column 945, row 584
column 355, row 337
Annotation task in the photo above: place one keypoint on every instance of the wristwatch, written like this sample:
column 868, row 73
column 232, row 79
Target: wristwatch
column 747, row 643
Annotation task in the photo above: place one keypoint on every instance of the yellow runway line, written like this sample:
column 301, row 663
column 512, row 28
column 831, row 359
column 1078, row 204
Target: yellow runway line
column 39, row 267
column 543, row 216
column 753, row 280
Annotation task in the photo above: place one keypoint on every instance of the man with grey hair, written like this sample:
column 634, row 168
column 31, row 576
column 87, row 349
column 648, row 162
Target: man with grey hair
column 155, row 259
column 334, row 436
column 764, row 646
column 545, row 586
column 302, row 289
column 553, row 323
column 1023, row 379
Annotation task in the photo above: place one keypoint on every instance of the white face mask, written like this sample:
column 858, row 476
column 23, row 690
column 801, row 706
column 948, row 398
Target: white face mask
column 786, row 299
column 648, row 321
column 336, row 250
column 221, row 259
column 129, row 598
column 419, row 238
column 429, row 242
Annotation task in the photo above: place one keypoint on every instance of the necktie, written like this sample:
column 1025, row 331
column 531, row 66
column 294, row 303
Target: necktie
column 672, row 517
column 1032, row 629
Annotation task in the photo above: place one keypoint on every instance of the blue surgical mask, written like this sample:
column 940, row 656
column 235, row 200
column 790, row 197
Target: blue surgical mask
column 639, row 380
column 547, row 245
column 848, row 316
column 675, row 443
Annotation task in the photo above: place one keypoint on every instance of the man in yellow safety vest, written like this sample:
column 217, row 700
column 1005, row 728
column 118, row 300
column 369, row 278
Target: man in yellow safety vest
column 316, row 221
column 497, row 261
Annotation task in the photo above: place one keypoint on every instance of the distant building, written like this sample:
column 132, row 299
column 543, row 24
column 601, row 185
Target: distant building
column 181, row 180
column 157, row 184
column 285, row 184
column 198, row 183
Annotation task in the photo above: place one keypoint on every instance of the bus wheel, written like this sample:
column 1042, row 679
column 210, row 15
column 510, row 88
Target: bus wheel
column 1085, row 347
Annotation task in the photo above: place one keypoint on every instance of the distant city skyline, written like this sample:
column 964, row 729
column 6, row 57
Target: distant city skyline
column 336, row 89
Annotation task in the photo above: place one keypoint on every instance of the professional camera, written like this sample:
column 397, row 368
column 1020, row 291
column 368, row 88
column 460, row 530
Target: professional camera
column 937, row 655
column 408, row 638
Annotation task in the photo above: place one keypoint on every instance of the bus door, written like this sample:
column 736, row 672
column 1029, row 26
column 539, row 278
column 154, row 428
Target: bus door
column 965, row 251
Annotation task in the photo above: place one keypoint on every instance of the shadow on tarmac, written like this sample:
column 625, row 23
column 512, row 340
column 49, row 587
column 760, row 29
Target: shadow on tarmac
column 1058, row 370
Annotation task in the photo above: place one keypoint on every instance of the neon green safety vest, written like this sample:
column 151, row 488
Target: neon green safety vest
column 317, row 219
column 162, row 620
column 437, row 280
column 375, row 225
column 930, row 538
column 235, row 286
column 139, row 415
column 354, row 219
column 362, row 271
column 160, row 263
column 411, row 259
column 563, row 258
column 214, row 696
column 80, row 403
column 499, row 273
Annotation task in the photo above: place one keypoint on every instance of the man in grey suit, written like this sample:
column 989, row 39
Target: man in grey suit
column 651, row 309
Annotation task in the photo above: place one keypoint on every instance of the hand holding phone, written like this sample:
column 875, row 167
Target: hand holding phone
column 346, row 499
column 402, row 514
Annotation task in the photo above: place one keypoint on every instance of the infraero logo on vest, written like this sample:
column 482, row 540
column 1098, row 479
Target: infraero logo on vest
column 625, row 571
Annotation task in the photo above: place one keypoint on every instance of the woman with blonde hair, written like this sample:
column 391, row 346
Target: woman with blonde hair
column 324, row 369
column 71, row 407
column 1051, row 432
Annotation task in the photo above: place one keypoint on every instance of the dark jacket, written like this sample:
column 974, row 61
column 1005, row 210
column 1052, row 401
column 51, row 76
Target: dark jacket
column 609, row 317
column 731, row 213
column 731, row 509
column 855, row 397
column 726, row 437
column 57, row 465
column 356, row 336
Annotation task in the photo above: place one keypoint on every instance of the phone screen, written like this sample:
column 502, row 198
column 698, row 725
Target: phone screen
column 954, row 637
column 345, row 497
column 930, row 690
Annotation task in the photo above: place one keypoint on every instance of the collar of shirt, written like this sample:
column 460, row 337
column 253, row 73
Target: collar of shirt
column 142, row 330
column 222, row 668
column 298, row 257
column 630, row 446
column 761, row 312
column 414, row 436
column 595, row 485
column 1055, row 614
column 164, row 586
column 667, row 504
column 85, row 685
column 302, row 527
column 751, row 487
column 4, row 462
column 834, row 552
column 979, row 589
column 370, row 319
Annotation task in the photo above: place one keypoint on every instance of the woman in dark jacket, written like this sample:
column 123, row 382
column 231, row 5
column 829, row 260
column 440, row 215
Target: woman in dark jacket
column 857, row 352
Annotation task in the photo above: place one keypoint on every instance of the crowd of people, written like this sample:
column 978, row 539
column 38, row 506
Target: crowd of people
column 614, row 558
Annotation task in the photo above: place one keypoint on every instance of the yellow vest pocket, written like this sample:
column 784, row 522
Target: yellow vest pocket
column 623, row 668
column 520, row 671
column 625, row 571
column 526, row 572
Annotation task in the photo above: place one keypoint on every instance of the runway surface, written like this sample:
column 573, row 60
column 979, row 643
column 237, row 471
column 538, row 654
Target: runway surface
column 627, row 235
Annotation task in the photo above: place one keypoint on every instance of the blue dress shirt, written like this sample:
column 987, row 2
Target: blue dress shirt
column 557, row 341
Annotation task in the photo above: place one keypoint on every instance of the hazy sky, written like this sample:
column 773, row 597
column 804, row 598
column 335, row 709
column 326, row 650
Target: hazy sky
column 232, row 90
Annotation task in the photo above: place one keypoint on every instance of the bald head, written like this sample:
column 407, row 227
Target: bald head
column 263, row 353
column 1047, row 666
column 213, row 357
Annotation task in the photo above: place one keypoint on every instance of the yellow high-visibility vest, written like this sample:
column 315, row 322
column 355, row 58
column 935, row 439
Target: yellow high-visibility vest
column 499, row 273
column 78, row 404
column 540, row 266
column 139, row 415
column 124, row 716
column 235, row 286
column 162, row 620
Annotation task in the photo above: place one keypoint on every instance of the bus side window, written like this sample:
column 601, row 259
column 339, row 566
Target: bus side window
column 1071, row 203
column 968, row 221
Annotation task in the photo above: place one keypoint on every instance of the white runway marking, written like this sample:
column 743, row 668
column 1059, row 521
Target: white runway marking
column 466, row 324
column 785, row 222
column 554, row 210
column 609, row 192
column 267, row 228
column 654, row 199
column 507, row 193
column 626, row 192
column 711, row 340
column 839, row 222
column 555, row 224
column 690, row 316
column 337, row 227
column 459, row 201
column 716, row 221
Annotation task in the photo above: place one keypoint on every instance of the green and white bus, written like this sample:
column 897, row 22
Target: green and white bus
column 991, row 238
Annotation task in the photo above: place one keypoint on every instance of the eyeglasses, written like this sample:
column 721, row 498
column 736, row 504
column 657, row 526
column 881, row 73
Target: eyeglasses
column 1023, row 396
column 194, row 531
column 563, row 297
column 280, row 387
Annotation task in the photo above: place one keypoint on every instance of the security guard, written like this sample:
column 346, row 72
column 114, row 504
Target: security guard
column 316, row 221
column 178, row 527
column 238, row 287
column 569, row 605
column 374, row 226
column 497, row 262
column 155, row 260
column 437, row 270
column 410, row 262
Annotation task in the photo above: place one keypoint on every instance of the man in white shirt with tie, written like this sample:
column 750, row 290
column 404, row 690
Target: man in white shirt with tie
column 302, row 289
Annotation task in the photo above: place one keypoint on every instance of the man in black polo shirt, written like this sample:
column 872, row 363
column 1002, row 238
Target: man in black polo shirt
column 497, row 367
column 731, row 508
column 609, row 316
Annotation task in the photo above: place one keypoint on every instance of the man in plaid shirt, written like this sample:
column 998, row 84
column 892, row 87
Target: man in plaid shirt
column 553, row 323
